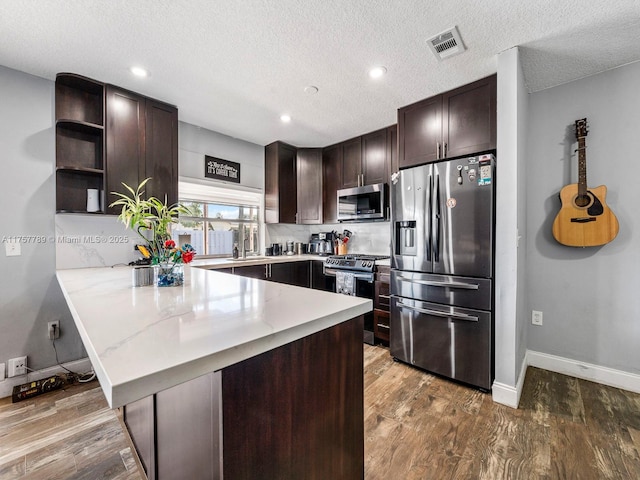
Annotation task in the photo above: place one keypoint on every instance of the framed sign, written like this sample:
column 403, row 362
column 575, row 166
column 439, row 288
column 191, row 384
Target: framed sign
column 220, row 169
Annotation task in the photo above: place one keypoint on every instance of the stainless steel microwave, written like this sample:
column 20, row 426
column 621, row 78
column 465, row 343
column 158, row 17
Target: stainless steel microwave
column 365, row 204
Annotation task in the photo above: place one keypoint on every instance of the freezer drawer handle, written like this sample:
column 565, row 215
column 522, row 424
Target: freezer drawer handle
column 457, row 316
column 466, row 286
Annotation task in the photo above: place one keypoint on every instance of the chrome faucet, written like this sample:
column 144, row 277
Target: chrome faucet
column 244, row 248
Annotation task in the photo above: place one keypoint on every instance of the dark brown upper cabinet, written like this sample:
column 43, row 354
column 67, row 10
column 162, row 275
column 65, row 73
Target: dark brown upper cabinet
column 142, row 142
column 364, row 160
column 292, row 184
column 455, row 123
column 280, row 183
column 332, row 181
column 105, row 136
column 375, row 164
column 351, row 170
column 309, row 185
column 79, row 106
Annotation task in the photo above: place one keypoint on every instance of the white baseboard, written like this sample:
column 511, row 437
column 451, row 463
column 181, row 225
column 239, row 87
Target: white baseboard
column 508, row 395
column 586, row 371
column 79, row 366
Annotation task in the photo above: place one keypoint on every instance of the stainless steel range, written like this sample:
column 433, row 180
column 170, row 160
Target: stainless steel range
column 354, row 274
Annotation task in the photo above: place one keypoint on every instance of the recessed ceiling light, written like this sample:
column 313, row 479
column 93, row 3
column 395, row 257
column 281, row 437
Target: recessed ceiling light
column 377, row 72
column 311, row 90
column 285, row 118
column 139, row 72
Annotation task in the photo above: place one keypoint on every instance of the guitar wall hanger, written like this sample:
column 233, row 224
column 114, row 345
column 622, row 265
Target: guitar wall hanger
column 584, row 220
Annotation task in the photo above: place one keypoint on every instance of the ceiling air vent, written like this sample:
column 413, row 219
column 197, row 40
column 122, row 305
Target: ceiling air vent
column 446, row 44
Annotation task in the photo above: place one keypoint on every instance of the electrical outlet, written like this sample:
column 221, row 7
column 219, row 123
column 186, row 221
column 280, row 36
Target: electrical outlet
column 12, row 249
column 1, row 372
column 53, row 329
column 536, row 317
column 17, row 366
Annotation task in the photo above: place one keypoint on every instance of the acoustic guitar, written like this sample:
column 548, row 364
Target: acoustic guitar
column 584, row 220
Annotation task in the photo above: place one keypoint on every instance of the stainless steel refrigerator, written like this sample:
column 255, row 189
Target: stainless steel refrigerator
column 442, row 244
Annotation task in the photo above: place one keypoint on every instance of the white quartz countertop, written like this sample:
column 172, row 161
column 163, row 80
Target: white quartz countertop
column 142, row 340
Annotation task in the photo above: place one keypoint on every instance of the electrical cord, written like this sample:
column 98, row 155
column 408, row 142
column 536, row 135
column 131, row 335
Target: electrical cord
column 79, row 377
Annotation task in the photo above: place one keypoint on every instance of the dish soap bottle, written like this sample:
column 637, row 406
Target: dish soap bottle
column 235, row 250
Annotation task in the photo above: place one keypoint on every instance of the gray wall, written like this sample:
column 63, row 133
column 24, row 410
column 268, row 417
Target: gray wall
column 30, row 296
column 589, row 296
column 196, row 142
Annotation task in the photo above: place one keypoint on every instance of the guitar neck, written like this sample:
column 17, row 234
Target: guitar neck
column 582, row 166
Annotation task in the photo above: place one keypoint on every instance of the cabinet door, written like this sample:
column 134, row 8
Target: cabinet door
column 420, row 132
column 331, row 182
column 375, row 165
column 291, row 273
column 470, row 118
column 161, row 151
column 392, row 148
column 351, row 159
column 309, row 183
column 251, row 271
column 125, row 147
column 280, row 183
column 318, row 278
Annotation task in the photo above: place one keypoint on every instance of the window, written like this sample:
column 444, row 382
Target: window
column 214, row 228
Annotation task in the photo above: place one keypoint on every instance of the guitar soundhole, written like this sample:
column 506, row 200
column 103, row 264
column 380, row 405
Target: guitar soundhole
column 582, row 201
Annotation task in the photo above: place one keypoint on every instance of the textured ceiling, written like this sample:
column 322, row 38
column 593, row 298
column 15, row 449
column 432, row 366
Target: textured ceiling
column 236, row 66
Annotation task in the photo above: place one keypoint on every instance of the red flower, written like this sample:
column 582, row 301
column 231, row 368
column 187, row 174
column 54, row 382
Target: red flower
column 187, row 257
column 169, row 244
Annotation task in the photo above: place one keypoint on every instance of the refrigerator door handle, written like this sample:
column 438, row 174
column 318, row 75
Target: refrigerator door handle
column 427, row 223
column 431, row 283
column 457, row 316
column 436, row 220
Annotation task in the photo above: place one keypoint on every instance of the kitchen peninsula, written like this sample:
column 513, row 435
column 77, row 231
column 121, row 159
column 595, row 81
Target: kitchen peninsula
column 227, row 375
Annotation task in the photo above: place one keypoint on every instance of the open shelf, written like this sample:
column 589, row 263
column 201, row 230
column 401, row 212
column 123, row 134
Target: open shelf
column 79, row 98
column 80, row 170
column 71, row 189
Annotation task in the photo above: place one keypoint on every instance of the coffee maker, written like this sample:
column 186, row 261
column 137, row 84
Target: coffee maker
column 322, row 243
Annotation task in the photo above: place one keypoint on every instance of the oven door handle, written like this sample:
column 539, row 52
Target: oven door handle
column 432, row 283
column 437, row 313
column 369, row 277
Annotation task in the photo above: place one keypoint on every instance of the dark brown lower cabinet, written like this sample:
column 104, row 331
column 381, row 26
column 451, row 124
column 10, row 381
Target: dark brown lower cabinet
column 293, row 412
column 291, row 273
column 318, row 278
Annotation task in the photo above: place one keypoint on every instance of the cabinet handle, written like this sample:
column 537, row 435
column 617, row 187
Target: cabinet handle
column 384, row 296
column 444, row 150
column 437, row 150
column 266, row 270
column 382, row 325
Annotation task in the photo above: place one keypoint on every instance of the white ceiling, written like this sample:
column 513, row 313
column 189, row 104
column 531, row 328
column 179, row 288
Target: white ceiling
column 235, row 66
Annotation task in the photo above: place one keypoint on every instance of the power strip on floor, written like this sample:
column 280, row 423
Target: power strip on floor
column 33, row 389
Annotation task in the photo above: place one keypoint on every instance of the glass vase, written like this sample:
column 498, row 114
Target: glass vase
column 168, row 275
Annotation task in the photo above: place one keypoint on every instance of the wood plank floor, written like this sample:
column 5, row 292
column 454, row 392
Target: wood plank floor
column 417, row 426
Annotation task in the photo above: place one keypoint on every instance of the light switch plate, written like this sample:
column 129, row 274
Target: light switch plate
column 12, row 249
column 2, row 372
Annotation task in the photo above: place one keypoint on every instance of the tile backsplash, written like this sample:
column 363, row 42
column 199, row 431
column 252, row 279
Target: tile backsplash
column 370, row 238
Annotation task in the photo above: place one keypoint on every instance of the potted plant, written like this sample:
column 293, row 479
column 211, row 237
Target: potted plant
column 151, row 219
